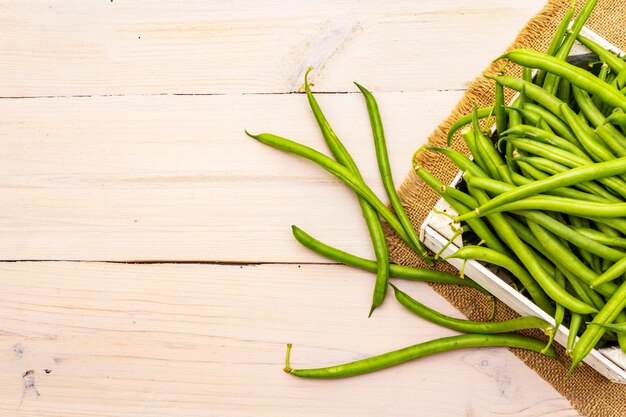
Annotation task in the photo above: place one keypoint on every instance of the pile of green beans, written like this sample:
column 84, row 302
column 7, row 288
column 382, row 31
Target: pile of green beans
column 375, row 212
column 545, row 191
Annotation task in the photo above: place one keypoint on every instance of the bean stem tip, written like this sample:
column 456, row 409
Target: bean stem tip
column 288, row 368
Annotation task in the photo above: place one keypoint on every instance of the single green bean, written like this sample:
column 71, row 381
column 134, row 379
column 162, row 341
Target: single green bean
column 589, row 187
column 571, row 177
column 397, row 357
column 603, row 238
column 577, row 76
column 468, row 326
column 385, row 169
column 465, row 120
column 593, row 333
column 619, row 328
column 615, row 62
column 346, row 176
column 493, row 257
column 374, row 226
column 552, row 203
column 574, row 325
column 614, row 272
column 396, row 271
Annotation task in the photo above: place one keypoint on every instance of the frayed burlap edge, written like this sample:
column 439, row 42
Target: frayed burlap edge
column 589, row 392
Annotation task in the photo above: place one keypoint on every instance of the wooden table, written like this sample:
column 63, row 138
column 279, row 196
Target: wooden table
column 148, row 267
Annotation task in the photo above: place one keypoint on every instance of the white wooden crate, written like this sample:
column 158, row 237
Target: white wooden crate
column 436, row 231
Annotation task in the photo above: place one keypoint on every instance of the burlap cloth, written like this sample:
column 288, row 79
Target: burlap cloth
column 589, row 392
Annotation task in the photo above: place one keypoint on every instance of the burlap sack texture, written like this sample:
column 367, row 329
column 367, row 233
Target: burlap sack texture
column 589, row 392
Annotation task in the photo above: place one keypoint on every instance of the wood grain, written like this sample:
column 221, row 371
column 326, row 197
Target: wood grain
column 175, row 178
column 200, row 47
column 209, row 340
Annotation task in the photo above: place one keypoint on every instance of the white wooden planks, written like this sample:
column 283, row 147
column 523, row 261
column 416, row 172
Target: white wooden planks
column 176, row 178
column 151, row 47
column 209, row 340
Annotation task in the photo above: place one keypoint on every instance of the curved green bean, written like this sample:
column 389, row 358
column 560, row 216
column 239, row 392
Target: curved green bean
column 468, row 326
column 396, row 271
column 615, row 271
column 594, row 332
column 385, row 169
column 615, row 62
column 603, row 238
column 465, row 120
column 397, row 357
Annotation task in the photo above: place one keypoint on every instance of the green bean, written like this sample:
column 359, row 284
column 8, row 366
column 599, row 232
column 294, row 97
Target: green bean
column 559, row 313
column 577, row 76
column 617, row 328
column 346, row 176
column 377, row 234
column 614, row 272
column 552, row 203
column 615, row 62
column 397, row 357
column 593, row 333
column 491, row 157
column 564, row 91
column 458, row 159
column 571, row 177
column 551, row 82
column 616, row 119
column 465, row 120
column 602, row 237
column 574, row 325
column 500, row 111
column 479, row 157
column 567, row 192
column 493, row 257
column 589, row 187
column 572, row 235
column 541, row 135
column 594, row 147
column 613, row 139
column 396, row 271
column 468, row 326
column 385, row 169
column 555, row 123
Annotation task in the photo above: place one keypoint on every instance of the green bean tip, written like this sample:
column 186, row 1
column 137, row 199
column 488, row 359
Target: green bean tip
column 250, row 134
